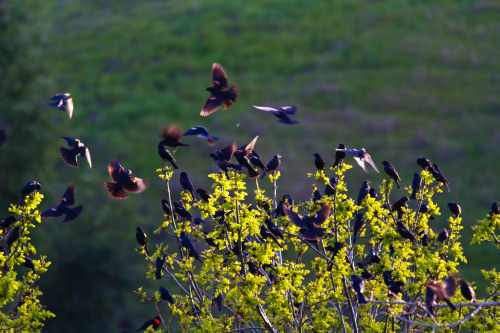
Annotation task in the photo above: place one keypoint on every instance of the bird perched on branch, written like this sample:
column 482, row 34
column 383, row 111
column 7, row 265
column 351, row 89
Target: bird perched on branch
column 63, row 102
column 220, row 93
column 442, row 291
column 467, row 291
column 62, row 208
column 438, row 175
column 273, row 164
column 339, row 155
column 319, row 162
column 187, row 184
column 202, row 132
column 77, row 148
column 455, row 209
column 155, row 322
column 415, row 185
column 358, row 284
column 123, row 181
column 223, row 158
column 166, row 155
column 309, row 225
column 28, row 189
column 362, row 157
column 282, row 113
column 242, row 155
column 142, row 238
column 391, row 171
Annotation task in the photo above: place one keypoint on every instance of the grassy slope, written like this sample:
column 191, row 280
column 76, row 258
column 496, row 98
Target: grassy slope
column 402, row 78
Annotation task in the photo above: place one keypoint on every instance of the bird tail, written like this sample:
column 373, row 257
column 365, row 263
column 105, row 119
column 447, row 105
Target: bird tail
column 174, row 165
column 230, row 96
column 361, row 298
column 252, row 173
column 72, row 214
column 450, row 304
column 68, row 157
column 413, row 195
column 115, row 191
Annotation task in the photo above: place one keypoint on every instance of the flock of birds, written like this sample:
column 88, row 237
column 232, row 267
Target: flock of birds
column 246, row 158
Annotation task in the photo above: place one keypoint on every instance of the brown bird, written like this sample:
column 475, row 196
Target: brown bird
column 123, row 181
column 391, row 171
column 220, row 94
column 309, row 224
column 223, row 158
column 443, row 291
column 172, row 136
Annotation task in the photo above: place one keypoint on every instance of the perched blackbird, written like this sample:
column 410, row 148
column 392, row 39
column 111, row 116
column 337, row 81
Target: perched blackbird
column 316, row 195
column 202, row 132
column 273, row 164
column 204, row 194
column 242, row 155
column 257, row 161
column 282, row 113
column 188, row 244
column 415, row 186
column 3, row 137
column 438, row 175
column 198, row 221
column 425, row 240
column 166, row 207
column 64, row 102
column 424, row 209
column 287, row 198
column 391, row 171
column 274, row 229
column 371, row 258
column 172, row 136
column 218, row 301
column 7, row 222
column 404, row 232
column 467, row 291
column 160, row 261
column 362, row 157
column 455, row 209
column 209, row 240
column 363, row 191
column 155, row 322
column 373, row 193
column 309, row 224
column 186, row 183
column 339, row 155
column 166, row 155
column 358, row 284
column 13, row 236
column 396, row 287
column 220, row 94
column 443, row 236
column 166, row 295
column 62, row 208
column 365, row 274
column 142, row 238
column 28, row 189
column 223, row 158
column 256, row 270
column 331, row 188
column 28, row 263
column 443, row 291
column 425, row 164
column 494, row 210
column 319, row 162
column 123, row 181
column 180, row 210
column 387, row 275
column 265, row 233
column 358, row 224
column 77, row 148
column 398, row 205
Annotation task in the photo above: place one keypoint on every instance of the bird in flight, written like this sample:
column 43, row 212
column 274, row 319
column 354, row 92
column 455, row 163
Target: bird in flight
column 220, row 93
column 282, row 113
column 64, row 102
column 361, row 156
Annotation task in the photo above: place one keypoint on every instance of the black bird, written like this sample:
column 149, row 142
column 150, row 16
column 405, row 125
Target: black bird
column 13, row 236
column 425, row 164
column 123, row 181
column 282, row 113
column 443, row 236
column 415, row 186
column 3, row 137
column 495, row 209
column 387, row 275
column 287, row 198
column 62, row 208
column 467, row 291
column 188, row 244
column 198, row 221
column 257, row 161
column 339, row 155
column 362, row 157
column 78, row 148
column 391, row 171
column 425, row 240
column 172, row 136
column 186, row 183
column 28, row 263
column 438, row 175
column 316, row 195
column 142, row 238
column 204, row 194
column 273, row 164
column 404, row 232
column 331, row 187
column 455, row 209
column 220, row 94
column 319, row 162
column 358, row 284
column 182, row 211
column 7, row 222
column 443, row 291
column 209, row 240
column 398, row 205
column 166, row 295
column 309, row 224
column 223, row 158
column 160, row 261
column 166, row 207
column 63, row 102
column 242, row 155
column 396, row 287
column 155, row 322
column 266, row 233
column 373, row 193
column 364, row 190
column 202, row 132
column 218, row 301
column 358, row 224
column 365, row 274
column 166, row 155
column 28, row 189
column 371, row 258
column 424, row 209
column 274, row 229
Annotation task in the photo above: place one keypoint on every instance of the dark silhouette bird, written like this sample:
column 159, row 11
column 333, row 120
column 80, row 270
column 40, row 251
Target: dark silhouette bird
column 257, row 161
column 209, row 240
column 362, row 157
column 63, row 102
column 396, row 287
column 166, row 207
column 373, row 193
column 198, row 221
column 172, row 136
column 401, row 203
column 62, row 208
column 424, row 209
column 28, row 263
column 443, row 291
column 242, row 155
column 220, row 93
column 123, row 181
column 287, row 198
column 425, row 164
column 495, row 209
column 404, row 232
column 415, row 185
column 78, row 148
column 391, row 171
column 273, row 164
column 274, row 229
column 339, row 155
column 166, row 155
column 202, row 132
column 425, row 240
column 309, row 224
column 3, row 137
column 331, row 187
column 188, row 244
column 13, row 236
column 371, row 258
column 166, row 295
column 218, row 301
column 438, row 175
column 187, row 184
column 204, row 194
column 265, row 233
column 387, row 275
column 155, row 322
column 7, row 222
column 358, row 224
column 443, row 236
column 358, row 284
column 282, row 113
column 455, row 209
column 467, row 291
column 142, row 238
column 160, row 261
column 28, row 189
column 365, row 274
column 364, row 190
column 319, row 162
column 316, row 195
column 180, row 210
column 223, row 158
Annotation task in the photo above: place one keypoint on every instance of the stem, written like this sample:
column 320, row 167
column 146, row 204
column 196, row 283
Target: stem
column 351, row 308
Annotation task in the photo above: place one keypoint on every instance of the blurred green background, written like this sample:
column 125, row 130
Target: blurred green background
column 403, row 79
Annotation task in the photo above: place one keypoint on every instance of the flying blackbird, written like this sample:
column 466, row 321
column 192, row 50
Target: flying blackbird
column 242, row 155
column 404, row 232
column 166, row 295
column 467, row 291
column 166, row 155
column 166, row 207
column 7, row 222
column 339, row 155
column 202, row 132
column 64, row 102
column 266, row 233
column 273, row 164
column 13, row 236
column 172, row 136
column 358, row 224
column 62, row 208
column 204, row 194
column 494, row 210
column 160, row 261
column 223, row 158
column 180, row 210
column 358, row 284
column 3, row 137
column 274, row 229
column 443, row 236
column 362, row 157
column 415, row 186
column 425, row 164
column 188, row 244
column 438, row 175
column 363, row 191
column 455, row 209
column 309, row 224
column 123, row 181
column 391, row 171
column 186, row 183
column 155, row 322
column 256, row 161
column 78, row 148
column 142, row 238
column 282, row 113
column 319, row 162
column 398, row 205
column 220, row 95
column 443, row 291
column 28, row 189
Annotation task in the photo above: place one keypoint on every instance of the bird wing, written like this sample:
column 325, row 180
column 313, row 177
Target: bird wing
column 266, row 108
column 53, row 212
column 69, row 195
column 295, row 218
column 87, row 156
column 136, row 185
column 219, row 77
column 249, row 147
column 368, row 159
column 114, row 168
column 289, row 109
column 211, row 105
column 69, row 156
column 285, row 119
column 69, row 106
column 198, row 130
column 321, row 215
column 72, row 213
column 361, row 163
column 72, row 142
column 172, row 131
column 350, row 151
column 227, row 153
